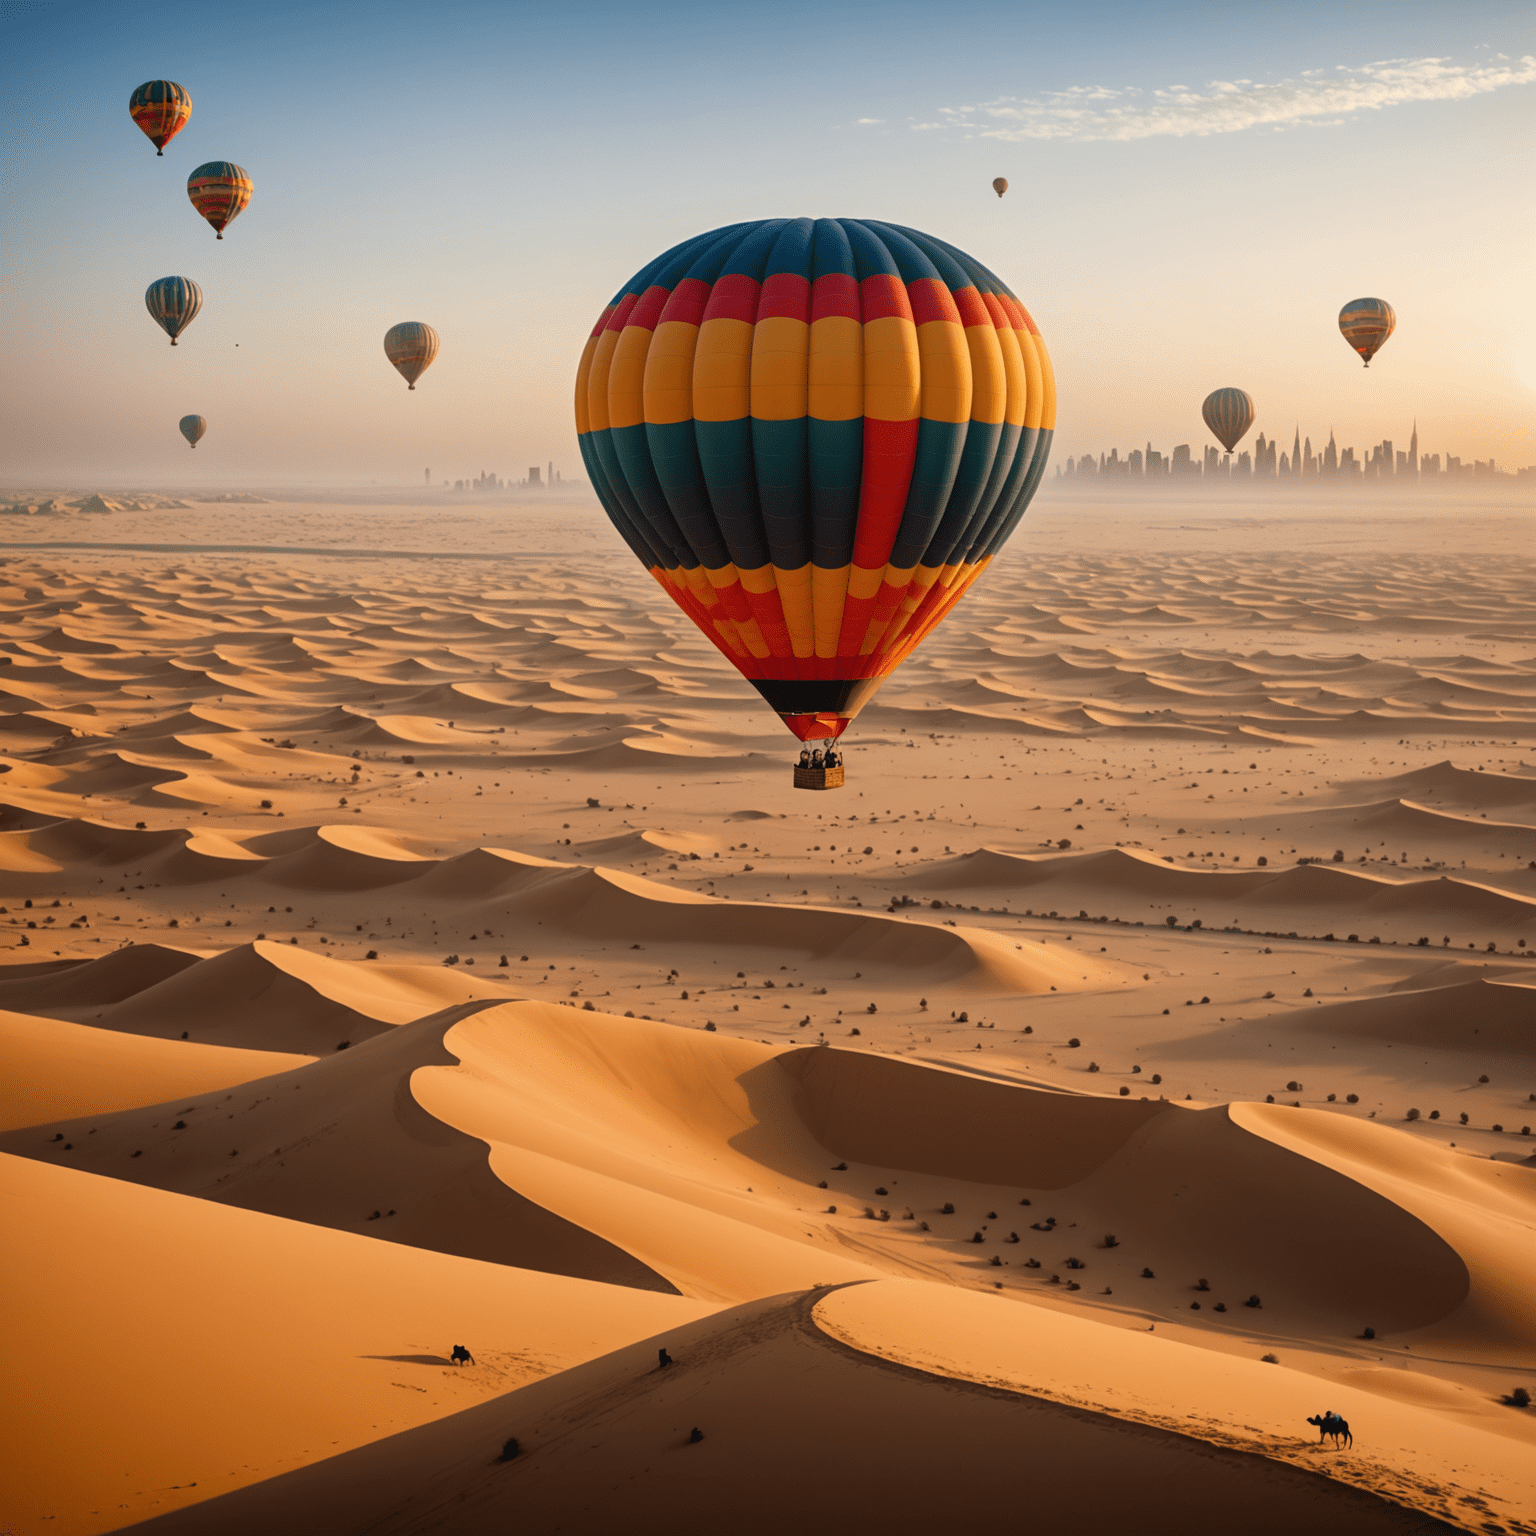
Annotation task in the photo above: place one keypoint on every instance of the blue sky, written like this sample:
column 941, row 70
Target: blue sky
column 1195, row 192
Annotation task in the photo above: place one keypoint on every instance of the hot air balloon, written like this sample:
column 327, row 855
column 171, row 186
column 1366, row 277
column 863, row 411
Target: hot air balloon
column 192, row 428
column 174, row 302
column 1000, row 185
column 161, row 109
column 220, row 191
column 815, row 434
column 1366, row 324
column 411, row 346
column 1229, row 414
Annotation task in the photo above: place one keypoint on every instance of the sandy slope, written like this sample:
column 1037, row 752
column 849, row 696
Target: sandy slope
column 378, row 929
column 226, row 1346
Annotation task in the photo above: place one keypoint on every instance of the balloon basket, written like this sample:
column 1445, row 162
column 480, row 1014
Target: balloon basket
column 819, row 778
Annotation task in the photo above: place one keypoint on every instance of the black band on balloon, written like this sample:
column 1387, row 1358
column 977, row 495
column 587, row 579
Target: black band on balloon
column 833, row 696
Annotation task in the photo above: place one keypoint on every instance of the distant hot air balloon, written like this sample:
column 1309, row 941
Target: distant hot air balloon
column 161, row 109
column 1000, row 185
column 411, row 346
column 220, row 191
column 1366, row 324
column 174, row 302
column 192, row 428
column 1229, row 414
column 815, row 434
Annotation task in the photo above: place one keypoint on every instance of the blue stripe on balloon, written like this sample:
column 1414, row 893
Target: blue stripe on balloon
column 675, row 458
column 837, row 468
column 781, row 457
column 939, row 448
column 725, row 456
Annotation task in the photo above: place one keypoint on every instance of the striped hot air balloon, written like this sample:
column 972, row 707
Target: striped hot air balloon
column 1229, row 414
column 192, row 428
column 161, row 109
column 220, row 191
column 815, row 434
column 1365, row 324
column 411, row 346
column 999, row 184
column 174, row 303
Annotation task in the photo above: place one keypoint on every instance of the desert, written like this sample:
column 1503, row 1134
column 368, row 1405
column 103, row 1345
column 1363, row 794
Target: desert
column 1133, row 1061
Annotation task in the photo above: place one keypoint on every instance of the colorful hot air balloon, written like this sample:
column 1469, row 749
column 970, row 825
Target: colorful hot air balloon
column 1366, row 324
column 174, row 302
column 815, row 434
column 1229, row 414
column 411, row 346
column 220, row 191
column 999, row 184
column 161, row 109
column 192, row 428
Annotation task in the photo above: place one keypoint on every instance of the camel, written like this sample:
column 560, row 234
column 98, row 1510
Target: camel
column 1330, row 1425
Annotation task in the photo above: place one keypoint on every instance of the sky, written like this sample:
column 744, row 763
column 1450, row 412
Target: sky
column 1195, row 191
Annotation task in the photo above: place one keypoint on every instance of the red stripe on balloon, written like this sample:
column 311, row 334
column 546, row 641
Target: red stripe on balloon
column 786, row 295
column 889, row 450
column 648, row 310
column 972, row 310
column 884, row 295
column 856, row 616
column 621, row 311
column 687, row 302
column 931, row 300
column 734, row 297
column 835, row 295
column 602, row 321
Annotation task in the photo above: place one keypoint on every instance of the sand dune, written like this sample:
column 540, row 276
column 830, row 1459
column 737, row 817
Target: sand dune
column 1128, row 882
column 56, row 1070
column 796, row 1382
column 219, row 1318
column 1021, row 1129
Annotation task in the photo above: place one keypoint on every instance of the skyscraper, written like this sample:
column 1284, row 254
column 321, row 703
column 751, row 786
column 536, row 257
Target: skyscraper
column 1413, row 449
column 1296, row 451
column 1330, row 456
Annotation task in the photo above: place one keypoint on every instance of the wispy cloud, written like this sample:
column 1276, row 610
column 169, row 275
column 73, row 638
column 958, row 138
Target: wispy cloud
column 1320, row 96
column 870, row 122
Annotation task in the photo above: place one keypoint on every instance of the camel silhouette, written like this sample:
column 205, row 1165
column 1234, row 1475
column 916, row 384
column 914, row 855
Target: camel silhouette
column 1331, row 1426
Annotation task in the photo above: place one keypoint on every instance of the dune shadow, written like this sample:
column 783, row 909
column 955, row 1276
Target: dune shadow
column 411, row 1359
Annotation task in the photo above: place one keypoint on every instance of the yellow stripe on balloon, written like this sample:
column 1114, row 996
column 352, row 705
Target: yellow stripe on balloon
column 865, row 581
column 597, row 380
column 626, row 377
column 829, row 589
column 836, row 375
column 946, row 371
column 759, row 580
column 989, row 376
column 892, row 369
column 722, row 371
column 799, row 615
column 583, row 379
column 897, row 581
column 1017, row 376
column 1034, row 407
column 923, row 579
column 669, row 373
column 1048, row 375
column 780, row 368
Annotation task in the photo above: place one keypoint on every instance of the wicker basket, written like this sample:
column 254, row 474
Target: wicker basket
column 819, row 778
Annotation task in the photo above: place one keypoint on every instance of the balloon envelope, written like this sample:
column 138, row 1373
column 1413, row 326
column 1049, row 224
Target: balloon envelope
column 174, row 303
column 161, row 109
column 1229, row 414
column 1000, row 185
column 192, row 428
column 219, row 191
column 1365, row 324
column 411, row 346
column 815, row 434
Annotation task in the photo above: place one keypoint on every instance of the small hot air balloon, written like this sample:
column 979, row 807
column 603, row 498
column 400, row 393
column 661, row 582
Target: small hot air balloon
column 1229, row 414
column 219, row 190
column 815, row 434
column 174, row 303
column 411, row 346
column 161, row 109
column 1000, row 185
column 192, row 428
column 1366, row 324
